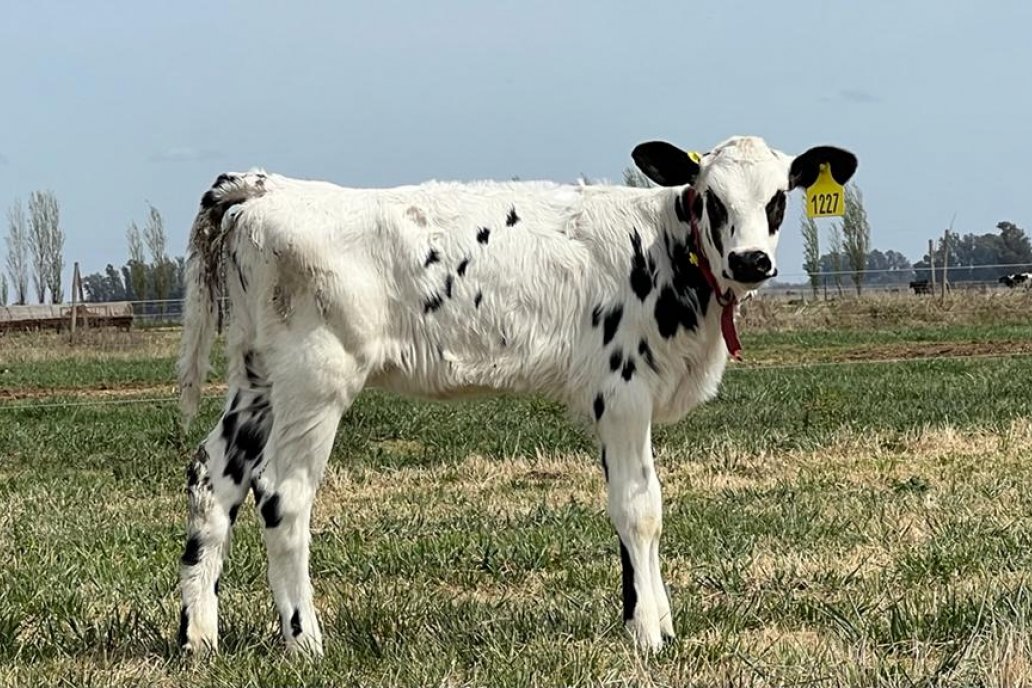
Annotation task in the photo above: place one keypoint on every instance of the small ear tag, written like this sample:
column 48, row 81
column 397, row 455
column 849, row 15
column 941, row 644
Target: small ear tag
column 825, row 197
column 695, row 156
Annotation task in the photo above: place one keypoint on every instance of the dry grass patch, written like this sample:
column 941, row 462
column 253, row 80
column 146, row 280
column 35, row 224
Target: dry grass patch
column 43, row 347
column 771, row 312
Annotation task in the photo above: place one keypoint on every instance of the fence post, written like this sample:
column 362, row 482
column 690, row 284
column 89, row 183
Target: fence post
column 945, row 261
column 75, row 298
column 82, row 300
column 931, row 262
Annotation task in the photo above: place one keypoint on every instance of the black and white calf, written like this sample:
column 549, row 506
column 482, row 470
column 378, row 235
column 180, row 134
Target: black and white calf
column 617, row 301
column 1017, row 280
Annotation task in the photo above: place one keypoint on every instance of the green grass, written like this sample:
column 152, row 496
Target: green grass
column 860, row 524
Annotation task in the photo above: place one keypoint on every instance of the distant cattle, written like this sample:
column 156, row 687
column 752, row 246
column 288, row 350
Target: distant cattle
column 921, row 286
column 1017, row 280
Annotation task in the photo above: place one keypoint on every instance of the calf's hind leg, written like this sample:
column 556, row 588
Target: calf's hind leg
column 307, row 415
column 216, row 484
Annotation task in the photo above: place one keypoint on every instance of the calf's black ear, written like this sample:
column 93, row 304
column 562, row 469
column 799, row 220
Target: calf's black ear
column 806, row 166
column 665, row 163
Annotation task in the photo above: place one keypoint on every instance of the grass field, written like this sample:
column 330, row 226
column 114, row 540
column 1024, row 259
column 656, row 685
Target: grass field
column 855, row 522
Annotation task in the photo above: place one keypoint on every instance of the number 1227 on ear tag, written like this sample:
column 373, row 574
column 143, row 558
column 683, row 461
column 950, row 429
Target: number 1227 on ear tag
column 825, row 197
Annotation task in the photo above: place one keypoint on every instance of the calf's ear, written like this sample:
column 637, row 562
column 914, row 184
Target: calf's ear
column 665, row 163
column 806, row 166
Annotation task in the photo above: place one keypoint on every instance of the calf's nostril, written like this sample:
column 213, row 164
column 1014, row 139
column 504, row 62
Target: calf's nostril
column 763, row 263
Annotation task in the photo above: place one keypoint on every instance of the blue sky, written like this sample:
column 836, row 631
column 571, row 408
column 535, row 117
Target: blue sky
column 114, row 104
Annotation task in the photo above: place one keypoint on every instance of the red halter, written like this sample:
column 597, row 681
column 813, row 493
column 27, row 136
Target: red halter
column 726, row 300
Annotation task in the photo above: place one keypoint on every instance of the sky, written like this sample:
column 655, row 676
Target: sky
column 114, row 105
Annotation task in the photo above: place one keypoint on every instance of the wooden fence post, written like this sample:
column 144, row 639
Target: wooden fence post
column 75, row 298
column 931, row 263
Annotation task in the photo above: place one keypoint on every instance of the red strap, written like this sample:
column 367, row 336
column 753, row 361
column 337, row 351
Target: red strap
column 726, row 300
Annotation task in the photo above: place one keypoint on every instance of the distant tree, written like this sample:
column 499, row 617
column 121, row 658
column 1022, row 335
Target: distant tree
column 1015, row 247
column 137, row 265
column 161, row 266
column 811, row 252
column 856, row 235
column 46, row 241
column 106, row 286
column 890, row 267
column 3, row 290
column 18, row 252
column 632, row 176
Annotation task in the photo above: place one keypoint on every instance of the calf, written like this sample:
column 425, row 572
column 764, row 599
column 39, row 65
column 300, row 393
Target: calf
column 617, row 301
column 921, row 286
column 1022, row 278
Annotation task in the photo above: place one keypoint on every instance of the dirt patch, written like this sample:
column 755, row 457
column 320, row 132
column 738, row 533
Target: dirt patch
column 121, row 390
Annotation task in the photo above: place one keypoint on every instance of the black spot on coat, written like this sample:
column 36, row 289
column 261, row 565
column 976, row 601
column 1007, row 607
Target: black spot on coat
column 461, row 270
column 599, row 406
column 192, row 553
column 193, row 474
column 628, row 369
column 229, row 426
column 431, row 258
column 271, row 511
column 615, row 360
column 717, row 219
column 448, row 285
column 250, row 439
column 645, row 351
column 672, row 313
column 641, row 276
column 432, row 303
column 775, row 211
column 233, row 511
column 295, row 623
column 246, row 448
column 611, row 323
column 512, row 218
column 184, row 622
column 679, row 210
column 630, row 595
column 596, row 315
column 477, row 299
column 235, row 466
column 483, row 235
column 251, row 368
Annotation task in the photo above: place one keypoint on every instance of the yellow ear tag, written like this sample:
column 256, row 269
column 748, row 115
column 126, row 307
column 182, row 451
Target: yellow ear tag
column 825, row 197
column 695, row 156
column 693, row 259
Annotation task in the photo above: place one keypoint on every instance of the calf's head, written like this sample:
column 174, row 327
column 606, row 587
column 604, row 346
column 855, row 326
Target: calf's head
column 740, row 195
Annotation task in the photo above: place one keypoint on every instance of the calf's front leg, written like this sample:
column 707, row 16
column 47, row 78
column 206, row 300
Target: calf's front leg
column 636, row 511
